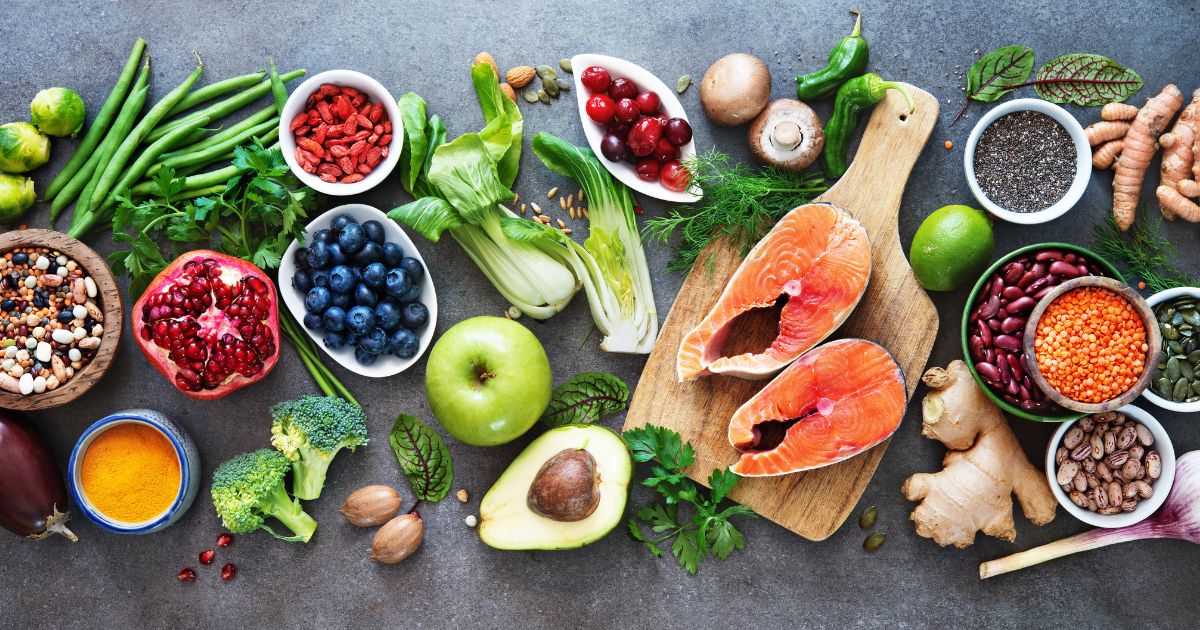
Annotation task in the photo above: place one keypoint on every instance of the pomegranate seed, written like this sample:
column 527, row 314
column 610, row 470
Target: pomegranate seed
column 187, row 575
column 224, row 540
column 206, row 556
column 228, row 572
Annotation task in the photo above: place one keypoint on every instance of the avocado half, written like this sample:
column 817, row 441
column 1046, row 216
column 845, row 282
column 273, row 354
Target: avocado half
column 582, row 475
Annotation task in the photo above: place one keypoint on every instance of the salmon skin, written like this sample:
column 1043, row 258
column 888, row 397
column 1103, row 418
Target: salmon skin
column 817, row 257
column 835, row 402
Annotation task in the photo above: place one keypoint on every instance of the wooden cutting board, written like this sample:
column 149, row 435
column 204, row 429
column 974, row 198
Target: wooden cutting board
column 895, row 312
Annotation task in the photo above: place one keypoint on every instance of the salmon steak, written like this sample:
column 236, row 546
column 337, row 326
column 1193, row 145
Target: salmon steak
column 835, row 402
column 816, row 261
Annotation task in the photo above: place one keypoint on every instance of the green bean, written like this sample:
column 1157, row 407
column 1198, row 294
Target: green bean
column 147, row 158
column 263, row 115
column 278, row 89
column 192, row 182
column 209, row 92
column 199, row 192
column 121, row 156
column 220, row 109
column 100, row 125
column 211, row 154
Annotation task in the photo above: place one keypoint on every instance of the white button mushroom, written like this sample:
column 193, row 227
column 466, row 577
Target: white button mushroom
column 787, row 134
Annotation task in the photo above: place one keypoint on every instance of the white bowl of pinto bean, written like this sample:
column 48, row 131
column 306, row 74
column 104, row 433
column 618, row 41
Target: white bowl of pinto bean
column 340, row 132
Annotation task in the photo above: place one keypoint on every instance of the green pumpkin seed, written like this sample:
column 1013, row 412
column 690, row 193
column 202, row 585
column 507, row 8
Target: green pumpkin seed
column 547, row 73
column 874, row 541
column 563, row 84
column 1191, row 345
column 530, row 95
column 1194, row 356
column 1196, row 388
column 1191, row 316
column 1177, row 319
column 1173, row 369
column 565, row 64
column 682, row 83
column 1169, row 332
column 543, row 96
column 1163, row 387
column 1181, row 390
column 1185, row 370
column 866, row 520
column 551, row 88
column 1175, row 348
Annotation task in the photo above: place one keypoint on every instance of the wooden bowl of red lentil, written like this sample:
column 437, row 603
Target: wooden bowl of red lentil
column 87, row 264
column 1092, row 344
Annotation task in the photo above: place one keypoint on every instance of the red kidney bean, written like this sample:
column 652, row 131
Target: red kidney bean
column 988, row 371
column 1041, row 283
column 990, row 308
column 976, row 344
column 984, row 332
column 1013, row 272
column 1071, row 258
column 1014, row 363
column 1007, row 342
column 1002, row 366
column 1002, row 314
column 989, row 355
column 1065, row 269
column 1041, row 294
column 1013, row 387
column 1024, row 304
column 1047, row 255
column 1011, row 324
column 1083, row 270
column 1012, row 293
column 994, row 325
column 1027, row 279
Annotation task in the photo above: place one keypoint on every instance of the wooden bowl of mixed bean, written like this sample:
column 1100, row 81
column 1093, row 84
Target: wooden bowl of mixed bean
column 61, row 317
column 1092, row 344
column 1176, row 382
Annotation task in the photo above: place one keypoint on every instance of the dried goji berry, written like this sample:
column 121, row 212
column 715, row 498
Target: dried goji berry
column 314, row 117
column 376, row 112
column 385, row 140
column 383, row 150
column 350, row 92
column 326, row 177
column 374, row 155
column 350, row 125
column 325, row 112
column 358, row 147
column 373, row 138
column 350, row 179
column 318, row 134
column 346, row 164
column 302, row 131
column 378, row 129
column 364, row 169
column 327, row 89
column 312, row 147
column 307, row 167
column 338, row 150
column 299, row 120
column 387, row 126
column 329, row 169
column 334, row 131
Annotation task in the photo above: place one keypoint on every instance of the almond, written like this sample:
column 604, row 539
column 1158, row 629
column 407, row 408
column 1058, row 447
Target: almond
column 520, row 76
column 484, row 57
column 509, row 92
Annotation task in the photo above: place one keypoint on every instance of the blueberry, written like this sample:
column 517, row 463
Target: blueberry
column 334, row 340
column 312, row 321
column 396, row 282
column 317, row 255
column 365, row 295
column 369, row 253
column 337, row 256
column 334, row 319
column 392, row 254
column 373, row 274
column 360, row 319
column 404, row 343
column 302, row 281
column 387, row 315
column 341, row 279
column 415, row 316
column 352, row 238
column 341, row 221
column 300, row 258
column 411, row 295
column 414, row 268
column 351, row 339
column 342, row 300
column 320, row 278
column 364, row 357
column 375, row 341
column 374, row 231
column 317, row 300
column 324, row 236
column 20, row 258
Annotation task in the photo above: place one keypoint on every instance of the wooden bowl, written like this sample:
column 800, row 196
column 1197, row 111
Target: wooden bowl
column 110, row 304
column 1153, row 341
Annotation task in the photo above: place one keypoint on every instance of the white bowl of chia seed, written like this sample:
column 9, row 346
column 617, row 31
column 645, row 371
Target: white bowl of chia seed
column 1028, row 161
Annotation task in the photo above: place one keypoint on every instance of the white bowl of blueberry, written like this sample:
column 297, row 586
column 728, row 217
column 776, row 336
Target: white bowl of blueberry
column 361, row 290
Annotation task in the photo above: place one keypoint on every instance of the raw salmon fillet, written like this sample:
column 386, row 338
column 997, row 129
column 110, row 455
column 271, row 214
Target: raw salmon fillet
column 819, row 258
column 840, row 400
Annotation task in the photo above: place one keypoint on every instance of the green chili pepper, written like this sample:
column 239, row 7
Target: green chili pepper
column 852, row 98
column 847, row 60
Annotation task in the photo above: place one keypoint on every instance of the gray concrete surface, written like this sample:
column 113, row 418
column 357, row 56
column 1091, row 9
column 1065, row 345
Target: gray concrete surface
column 779, row 580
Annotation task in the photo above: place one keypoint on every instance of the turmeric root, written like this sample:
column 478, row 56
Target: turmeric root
column 1189, row 188
column 1118, row 111
column 1173, row 202
column 983, row 468
column 1178, row 157
column 1140, row 144
column 1106, row 130
column 1106, row 154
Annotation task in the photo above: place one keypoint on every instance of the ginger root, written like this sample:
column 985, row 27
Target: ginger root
column 1140, row 145
column 983, row 468
column 1105, row 155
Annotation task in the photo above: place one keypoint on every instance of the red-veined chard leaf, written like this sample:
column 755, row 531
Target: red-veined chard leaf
column 423, row 458
column 997, row 72
column 585, row 398
column 1085, row 79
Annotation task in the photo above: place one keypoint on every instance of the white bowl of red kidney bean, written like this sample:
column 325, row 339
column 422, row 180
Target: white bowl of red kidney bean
column 340, row 132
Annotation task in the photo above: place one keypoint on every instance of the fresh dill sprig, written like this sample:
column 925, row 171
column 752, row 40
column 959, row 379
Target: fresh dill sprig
column 1143, row 251
column 739, row 204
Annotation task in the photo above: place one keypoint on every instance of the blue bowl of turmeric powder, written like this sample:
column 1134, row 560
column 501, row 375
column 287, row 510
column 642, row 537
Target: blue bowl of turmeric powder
column 134, row 472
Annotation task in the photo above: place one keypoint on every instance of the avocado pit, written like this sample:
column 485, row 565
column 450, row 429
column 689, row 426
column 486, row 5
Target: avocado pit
column 567, row 487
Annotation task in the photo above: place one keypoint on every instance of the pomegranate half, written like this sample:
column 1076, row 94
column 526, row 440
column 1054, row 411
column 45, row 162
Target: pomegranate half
column 209, row 323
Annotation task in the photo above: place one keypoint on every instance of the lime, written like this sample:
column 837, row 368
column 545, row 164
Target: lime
column 952, row 247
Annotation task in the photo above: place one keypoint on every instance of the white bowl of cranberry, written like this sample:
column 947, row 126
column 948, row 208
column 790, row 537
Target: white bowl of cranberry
column 635, row 124
column 361, row 290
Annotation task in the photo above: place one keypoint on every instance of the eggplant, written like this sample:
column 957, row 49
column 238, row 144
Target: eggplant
column 32, row 491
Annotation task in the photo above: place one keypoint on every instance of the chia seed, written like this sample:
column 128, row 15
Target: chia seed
column 1025, row 161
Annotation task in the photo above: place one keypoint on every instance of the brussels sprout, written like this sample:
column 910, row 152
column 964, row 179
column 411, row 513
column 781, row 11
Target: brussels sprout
column 16, row 194
column 22, row 147
column 58, row 111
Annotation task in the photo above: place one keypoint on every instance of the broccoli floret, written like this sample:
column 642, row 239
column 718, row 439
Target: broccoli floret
column 310, row 431
column 249, row 488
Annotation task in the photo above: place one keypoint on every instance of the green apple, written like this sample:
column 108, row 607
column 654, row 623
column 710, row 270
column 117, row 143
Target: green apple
column 488, row 380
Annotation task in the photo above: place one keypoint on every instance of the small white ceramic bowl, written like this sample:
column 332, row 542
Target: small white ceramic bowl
column 1146, row 507
column 1154, row 300
column 1083, row 160
column 377, row 94
column 624, row 171
column 387, row 364
column 189, row 470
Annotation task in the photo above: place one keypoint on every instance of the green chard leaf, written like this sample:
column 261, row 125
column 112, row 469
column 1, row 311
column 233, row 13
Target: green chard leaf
column 423, row 458
column 585, row 399
column 1086, row 80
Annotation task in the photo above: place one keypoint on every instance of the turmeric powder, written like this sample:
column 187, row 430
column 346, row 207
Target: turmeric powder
column 131, row 473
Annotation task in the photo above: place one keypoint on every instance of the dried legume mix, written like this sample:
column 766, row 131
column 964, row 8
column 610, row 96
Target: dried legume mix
column 1091, row 345
column 1103, row 463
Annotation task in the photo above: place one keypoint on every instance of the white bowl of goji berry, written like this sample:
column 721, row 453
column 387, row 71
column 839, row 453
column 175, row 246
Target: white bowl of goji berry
column 340, row 132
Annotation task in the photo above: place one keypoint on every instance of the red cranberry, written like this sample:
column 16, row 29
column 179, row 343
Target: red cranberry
column 647, row 169
column 674, row 176
column 678, row 131
column 187, row 575
column 662, row 119
column 206, row 556
column 619, row 128
column 224, row 540
column 627, row 110
column 644, row 137
column 595, row 79
column 648, row 102
column 665, row 151
column 622, row 88
column 600, row 108
column 228, row 572
column 612, row 146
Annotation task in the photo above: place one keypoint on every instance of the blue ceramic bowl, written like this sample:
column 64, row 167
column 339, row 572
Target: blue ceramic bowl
column 189, row 468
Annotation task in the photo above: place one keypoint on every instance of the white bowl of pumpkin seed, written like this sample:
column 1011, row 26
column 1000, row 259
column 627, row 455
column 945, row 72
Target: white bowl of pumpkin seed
column 1176, row 383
